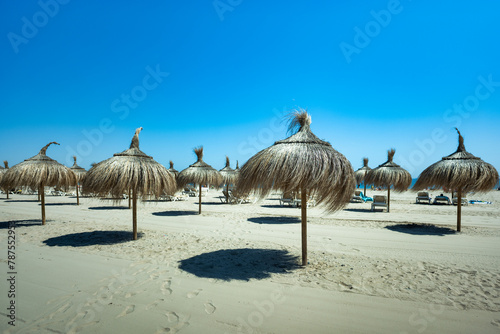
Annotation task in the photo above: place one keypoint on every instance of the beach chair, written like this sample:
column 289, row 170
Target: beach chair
column 379, row 200
column 357, row 196
column 423, row 196
column 441, row 200
column 464, row 201
column 365, row 198
column 189, row 191
column 288, row 198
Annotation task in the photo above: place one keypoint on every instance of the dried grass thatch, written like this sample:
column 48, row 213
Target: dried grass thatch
column 132, row 170
column 199, row 173
column 79, row 171
column 172, row 170
column 80, row 174
column 300, row 162
column 361, row 173
column 37, row 172
column 460, row 171
column 229, row 176
column 389, row 174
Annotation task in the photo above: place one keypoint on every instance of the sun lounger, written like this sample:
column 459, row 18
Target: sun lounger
column 288, row 198
column 365, row 198
column 441, row 200
column 423, row 196
column 464, row 201
column 357, row 196
column 379, row 200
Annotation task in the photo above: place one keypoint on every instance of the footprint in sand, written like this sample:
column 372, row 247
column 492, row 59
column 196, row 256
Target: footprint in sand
column 209, row 308
column 172, row 316
column 165, row 287
column 194, row 293
column 496, row 322
column 154, row 304
column 129, row 309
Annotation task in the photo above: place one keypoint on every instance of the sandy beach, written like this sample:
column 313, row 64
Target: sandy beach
column 235, row 268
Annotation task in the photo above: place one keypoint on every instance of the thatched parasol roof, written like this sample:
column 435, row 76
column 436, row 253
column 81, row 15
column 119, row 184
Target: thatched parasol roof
column 130, row 169
column 229, row 175
column 389, row 174
column 37, row 171
column 172, row 170
column 460, row 170
column 79, row 171
column 302, row 161
column 199, row 172
column 360, row 174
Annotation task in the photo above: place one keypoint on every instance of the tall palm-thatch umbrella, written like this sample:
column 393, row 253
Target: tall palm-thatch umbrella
column 6, row 164
column 37, row 172
column 229, row 175
column 2, row 170
column 389, row 174
column 360, row 174
column 460, row 171
column 199, row 173
column 130, row 169
column 301, row 162
column 172, row 170
column 80, row 174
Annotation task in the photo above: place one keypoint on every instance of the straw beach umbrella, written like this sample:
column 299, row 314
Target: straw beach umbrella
column 172, row 170
column 460, row 171
column 360, row 174
column 6, row 164
column 301, row 162
column 389, row 174
column 199, row 173
column 132, row 170
column 37, row 172
column 229, row 175
column 80, row 174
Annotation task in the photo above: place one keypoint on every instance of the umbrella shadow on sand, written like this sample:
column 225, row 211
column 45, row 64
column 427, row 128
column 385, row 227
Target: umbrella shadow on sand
column 421, row 229
column 240, row 264
column 91, row 238
column 274, row 220
column 175, row 213
column 20, row 223
column 108, row 208
column 49, row 204
column 20, row 200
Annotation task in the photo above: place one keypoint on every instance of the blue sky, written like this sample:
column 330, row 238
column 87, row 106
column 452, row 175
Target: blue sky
column 221, row 74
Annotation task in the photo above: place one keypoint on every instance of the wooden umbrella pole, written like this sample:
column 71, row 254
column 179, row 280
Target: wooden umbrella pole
column 459, row 210
column 227, row 192
column 129, row 198
column 303, row 208
column 388, row 199
column 7, row 191
column 42, row 196
column 134, row 213
column 364, row 183
column 38, row 194
column 199, row 204
column 77, row 196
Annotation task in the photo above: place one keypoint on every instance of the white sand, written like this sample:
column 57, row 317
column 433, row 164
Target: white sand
column 235, row 268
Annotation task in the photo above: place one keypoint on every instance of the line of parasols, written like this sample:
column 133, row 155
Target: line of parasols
column 302, row 163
